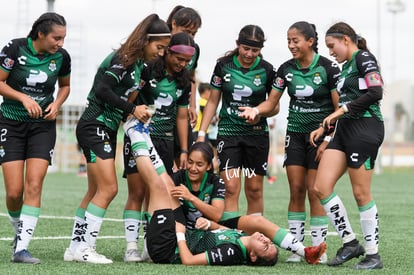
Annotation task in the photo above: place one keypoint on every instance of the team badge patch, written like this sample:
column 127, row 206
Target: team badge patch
column 52, row 65
column 317, row 78
column 2, row 152
column 373, row 79
column 257, row 80
column 107, row 147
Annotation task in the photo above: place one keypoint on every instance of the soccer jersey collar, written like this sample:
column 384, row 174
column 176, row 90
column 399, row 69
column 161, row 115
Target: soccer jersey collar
column 252, row 67
column 312, row 65
column 32, row 49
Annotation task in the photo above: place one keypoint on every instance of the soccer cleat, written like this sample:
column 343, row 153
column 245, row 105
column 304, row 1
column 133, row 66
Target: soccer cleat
column 132, row 256
column 370, row 262
column 24, row 256
column 89, row 255
column 347, row 252
column 145, row 257
column 323, row 259
column 294, row 258
column 314, row 253
column 68, row 255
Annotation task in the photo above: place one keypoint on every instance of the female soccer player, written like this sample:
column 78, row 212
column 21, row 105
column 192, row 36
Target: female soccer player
column 241, row 78
column 116, row 79
column 30, row 68
column 200, row 191
column 359, row 132
column 170, row 147
column 310, row 81
column 169, row 83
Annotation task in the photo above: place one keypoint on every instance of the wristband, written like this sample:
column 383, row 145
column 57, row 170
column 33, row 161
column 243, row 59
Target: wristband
column 183, row 151
column 180, row 236
column 327, row 138
column 201, row 133
column 256, row 110
column 345, row 108
column 208, row 225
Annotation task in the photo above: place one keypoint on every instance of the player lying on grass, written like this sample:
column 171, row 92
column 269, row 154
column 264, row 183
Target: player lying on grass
column 199, row 247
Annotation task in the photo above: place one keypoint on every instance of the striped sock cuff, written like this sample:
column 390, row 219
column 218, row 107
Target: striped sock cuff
column 326, row 200
column 30, row 211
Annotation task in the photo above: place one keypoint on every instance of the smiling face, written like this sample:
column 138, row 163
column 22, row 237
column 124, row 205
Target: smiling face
column 51, row 42
column 261, row 246
column 197, row 166
column 298, row 45
column 176, row 62
column 155, row 48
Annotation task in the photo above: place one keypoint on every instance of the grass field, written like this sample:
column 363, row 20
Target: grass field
column 393, row 192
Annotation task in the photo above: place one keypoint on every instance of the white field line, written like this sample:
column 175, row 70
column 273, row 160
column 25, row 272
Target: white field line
column 65, row 218
column 307, row 233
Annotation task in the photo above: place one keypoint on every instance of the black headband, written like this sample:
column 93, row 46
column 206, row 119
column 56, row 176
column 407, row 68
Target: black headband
column 251, row 43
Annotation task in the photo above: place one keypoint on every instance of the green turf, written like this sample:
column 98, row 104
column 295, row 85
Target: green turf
column 393, row 193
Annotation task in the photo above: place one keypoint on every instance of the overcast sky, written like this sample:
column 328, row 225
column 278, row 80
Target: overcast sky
column 97, row 26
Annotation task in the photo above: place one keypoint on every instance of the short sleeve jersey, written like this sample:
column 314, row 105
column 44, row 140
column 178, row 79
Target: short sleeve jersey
column 309, row 90
column 127, row 82
column 167, row 98
column 241, row 87
column 33, row 74
column 352, row 83
column 221, row 247
column 211, row 188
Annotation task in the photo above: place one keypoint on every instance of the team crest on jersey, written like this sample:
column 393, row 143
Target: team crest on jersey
column 107, row 147
column 317, row 78
column 2, row 152
column 257, row 80
column 179, row 92
column 52, row 65
column 206, row 198
column 8, row 63
column 132, row 163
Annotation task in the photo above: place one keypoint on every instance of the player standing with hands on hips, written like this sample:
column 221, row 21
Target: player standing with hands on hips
column 359, row 132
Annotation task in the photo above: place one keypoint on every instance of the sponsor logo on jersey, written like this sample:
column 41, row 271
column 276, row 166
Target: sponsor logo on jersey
column 22, row 60
column 240, row 91
column 35, row 77
column 8, row 63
